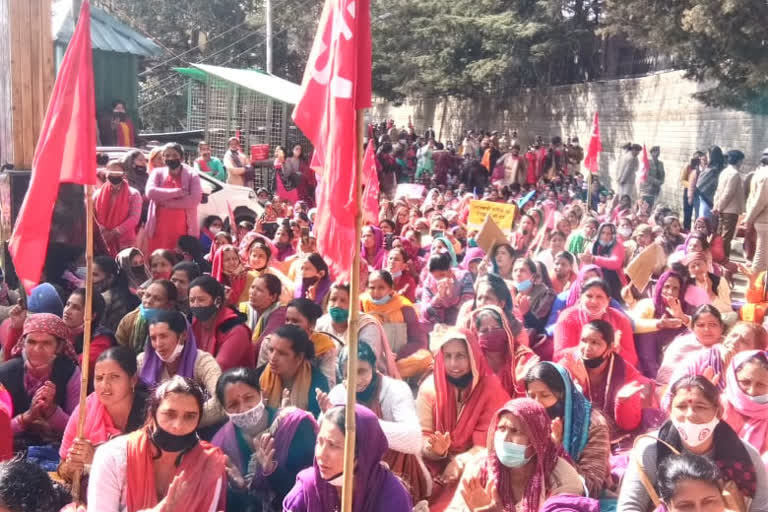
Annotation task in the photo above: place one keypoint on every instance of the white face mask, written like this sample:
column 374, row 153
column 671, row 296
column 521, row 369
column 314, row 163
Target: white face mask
column 760, row 399
column 249, row 418
column 337, row 481
column 174, row 355
column 625, row 232
column 695, row 434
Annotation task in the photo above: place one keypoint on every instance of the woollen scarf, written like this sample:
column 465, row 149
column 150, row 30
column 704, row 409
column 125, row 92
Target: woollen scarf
column 272, row 387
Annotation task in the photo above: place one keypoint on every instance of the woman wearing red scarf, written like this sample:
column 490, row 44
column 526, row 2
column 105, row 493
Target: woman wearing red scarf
column 228, row 269
column 163, row 465
column 455, row 406
column 521, row 468
column 118, row 209
column 218, row 328
column 594, row 300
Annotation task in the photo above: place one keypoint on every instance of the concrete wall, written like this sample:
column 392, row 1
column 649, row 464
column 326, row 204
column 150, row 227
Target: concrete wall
column 651, row 110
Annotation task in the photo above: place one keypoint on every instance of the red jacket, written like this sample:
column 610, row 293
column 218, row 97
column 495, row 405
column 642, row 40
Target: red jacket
column 229, row 341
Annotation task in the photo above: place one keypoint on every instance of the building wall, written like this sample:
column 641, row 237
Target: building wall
column 652, row 110
column 6, row 119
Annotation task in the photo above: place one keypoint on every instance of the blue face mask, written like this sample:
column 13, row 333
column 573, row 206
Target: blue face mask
column 760, row 399
column 512, row 455
column 524, row 286
column 382, row 301
column 148, row 314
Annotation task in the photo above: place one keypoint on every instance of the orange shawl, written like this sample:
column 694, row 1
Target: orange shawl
column 272, row 387
column 389, row 313
column 203, row 467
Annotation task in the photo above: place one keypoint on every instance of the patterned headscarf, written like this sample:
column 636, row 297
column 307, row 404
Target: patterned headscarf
column 49, row 324
column 537, row 425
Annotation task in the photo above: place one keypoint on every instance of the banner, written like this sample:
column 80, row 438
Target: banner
column 410, row 191
column 503, row 214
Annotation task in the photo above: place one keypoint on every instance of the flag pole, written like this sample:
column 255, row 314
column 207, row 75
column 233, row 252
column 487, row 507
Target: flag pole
column 354, row 313
column 85, row 364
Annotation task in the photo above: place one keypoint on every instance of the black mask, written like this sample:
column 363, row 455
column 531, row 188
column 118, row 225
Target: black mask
column 115, row 180
column 140, row 168
column 593, row 362
column 460, row 382
column 556, row 411
column 173, row 164
column 172, row 443
column 204, row 313
column 365, row 395
column 138, row 269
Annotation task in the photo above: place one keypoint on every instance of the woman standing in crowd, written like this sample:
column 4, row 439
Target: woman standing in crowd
column 695, row 427
column 174, row 192
column 172, row 351
column 117, row 209
column 164, row 464
column 117, row 406
column 218, row 328
column 520, row 467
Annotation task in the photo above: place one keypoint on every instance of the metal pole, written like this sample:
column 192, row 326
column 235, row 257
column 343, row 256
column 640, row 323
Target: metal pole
column 268, row 14
column 354, row 313
column 84, row 366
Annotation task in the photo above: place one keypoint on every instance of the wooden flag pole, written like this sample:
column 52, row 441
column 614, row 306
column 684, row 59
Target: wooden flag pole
column 85, row 364
column 589, row 188
column 354, row 313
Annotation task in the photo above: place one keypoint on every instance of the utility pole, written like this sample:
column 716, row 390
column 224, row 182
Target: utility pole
column 268, row 14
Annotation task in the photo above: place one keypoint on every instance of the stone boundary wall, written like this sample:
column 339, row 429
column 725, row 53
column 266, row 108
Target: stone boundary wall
column 652, row 110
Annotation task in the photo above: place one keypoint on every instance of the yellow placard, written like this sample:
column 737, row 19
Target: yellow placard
column 503, row 214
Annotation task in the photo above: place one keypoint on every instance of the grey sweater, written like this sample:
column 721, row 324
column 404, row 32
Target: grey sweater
column 634, row 498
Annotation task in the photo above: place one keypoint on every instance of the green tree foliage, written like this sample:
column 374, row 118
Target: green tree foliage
column 471, row 48
column 721, row 43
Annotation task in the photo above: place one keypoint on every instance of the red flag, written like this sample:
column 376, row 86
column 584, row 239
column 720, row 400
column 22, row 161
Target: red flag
column 65, row 152
column 372, row 187
column 594, row 148
column 336, row 84
column 646, row 166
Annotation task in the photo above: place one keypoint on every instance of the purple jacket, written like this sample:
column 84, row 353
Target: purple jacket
column 188, row 197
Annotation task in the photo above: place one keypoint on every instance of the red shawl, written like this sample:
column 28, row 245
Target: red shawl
column 469, row 426
column 109, row 214
column 203, row 468
column 236, row 282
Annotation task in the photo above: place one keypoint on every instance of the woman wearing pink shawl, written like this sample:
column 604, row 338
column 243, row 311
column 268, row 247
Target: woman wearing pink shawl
column 746, row 393
column 372, row 246
column 115, row 407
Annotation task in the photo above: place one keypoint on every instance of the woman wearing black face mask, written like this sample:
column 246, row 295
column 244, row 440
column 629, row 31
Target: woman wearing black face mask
column 163, row 466
column 174, row 193
column 118, row 208
column 577, row 429
column 219, row 329
column 614, row 386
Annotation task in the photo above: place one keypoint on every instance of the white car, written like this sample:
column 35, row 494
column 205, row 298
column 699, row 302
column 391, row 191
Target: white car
column 218, row 197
